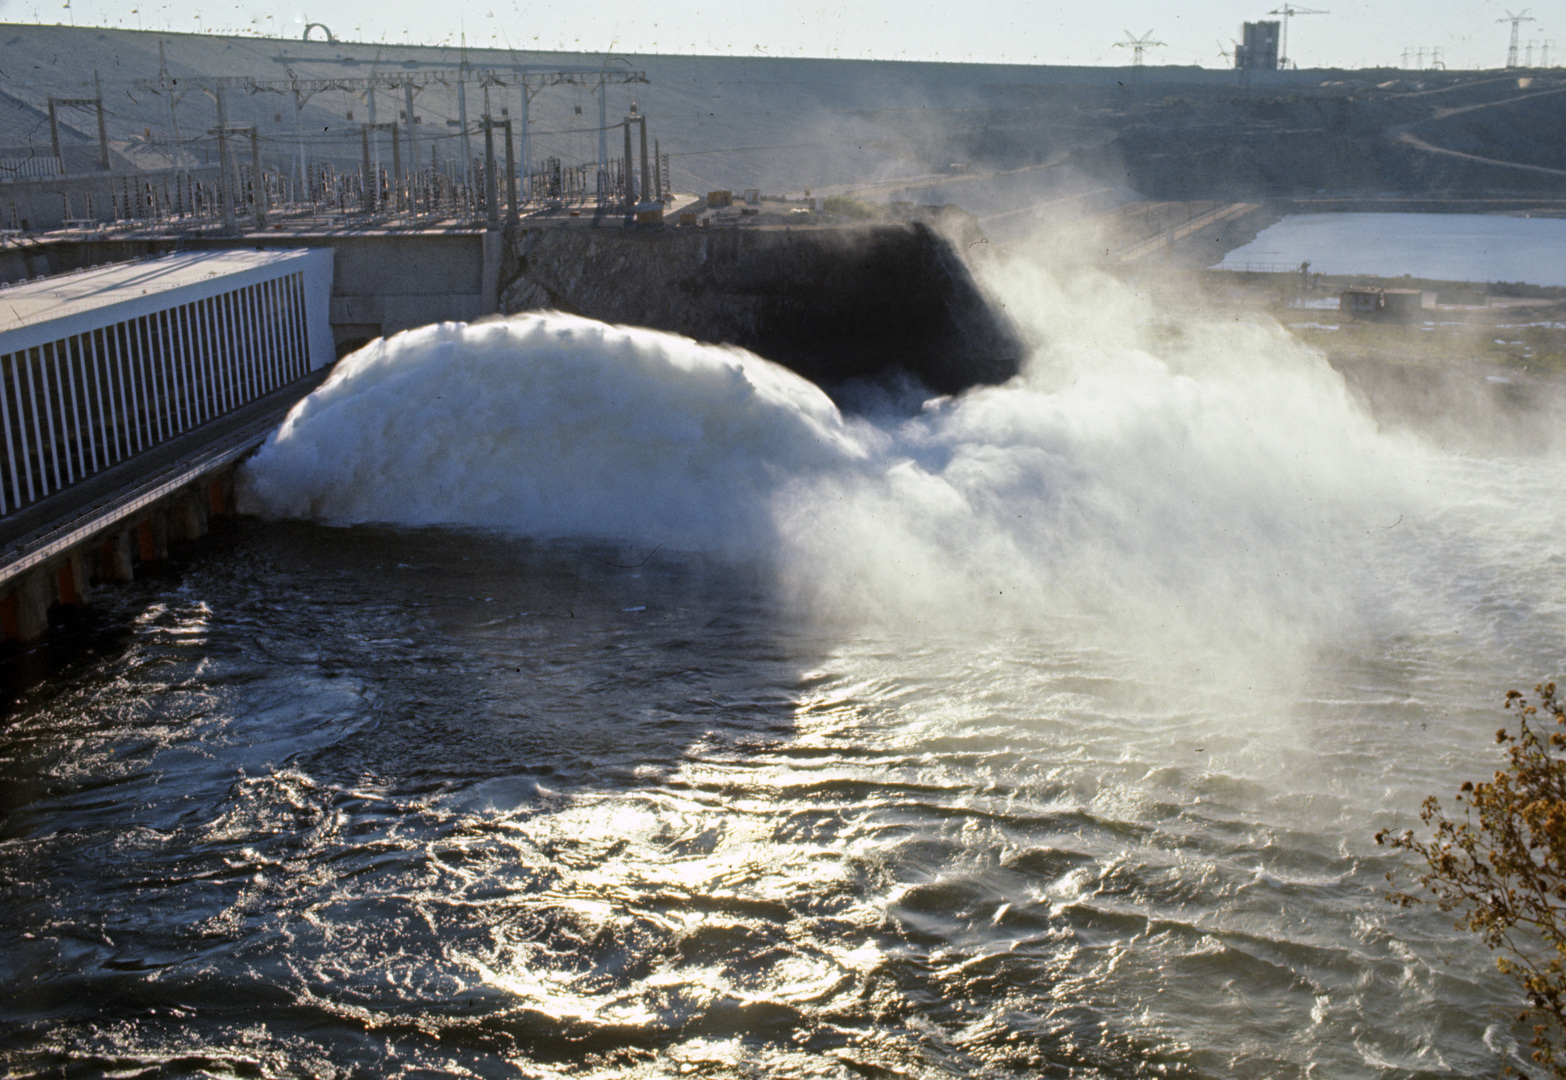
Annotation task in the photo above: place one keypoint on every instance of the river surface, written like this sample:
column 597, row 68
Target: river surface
column 1443, row 247
column 593, row 703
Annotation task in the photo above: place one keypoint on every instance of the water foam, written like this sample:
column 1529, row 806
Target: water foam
column 1212, row 487
column 552, row 425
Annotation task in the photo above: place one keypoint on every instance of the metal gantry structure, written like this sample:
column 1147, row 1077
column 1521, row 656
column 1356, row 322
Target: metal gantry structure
column 1418, row 53
column 1137, row 45
column 408, row 188
column 1288, row 11
column 1516, row 20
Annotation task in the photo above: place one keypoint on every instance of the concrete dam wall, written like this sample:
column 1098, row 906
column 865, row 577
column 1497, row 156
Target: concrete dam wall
column 832, row 303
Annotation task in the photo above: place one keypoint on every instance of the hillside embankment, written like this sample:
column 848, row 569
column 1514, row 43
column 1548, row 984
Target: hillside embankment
column 1375, row 134
column 1020, row 136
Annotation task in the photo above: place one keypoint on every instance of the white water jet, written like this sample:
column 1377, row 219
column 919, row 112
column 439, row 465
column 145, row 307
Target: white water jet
column 1208, row 492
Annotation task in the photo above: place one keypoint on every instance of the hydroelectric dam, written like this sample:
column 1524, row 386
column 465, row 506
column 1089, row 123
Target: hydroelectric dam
column 140, row 369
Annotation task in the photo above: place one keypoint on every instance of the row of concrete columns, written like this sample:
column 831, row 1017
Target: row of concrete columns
column 111, row 557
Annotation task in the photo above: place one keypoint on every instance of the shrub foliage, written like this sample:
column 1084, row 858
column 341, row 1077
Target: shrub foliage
column 1500, row 862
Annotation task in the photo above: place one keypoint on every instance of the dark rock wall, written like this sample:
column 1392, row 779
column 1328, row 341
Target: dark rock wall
column 831, row 303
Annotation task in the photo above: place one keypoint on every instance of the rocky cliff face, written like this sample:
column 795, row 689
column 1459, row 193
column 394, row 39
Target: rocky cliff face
column 832, row 303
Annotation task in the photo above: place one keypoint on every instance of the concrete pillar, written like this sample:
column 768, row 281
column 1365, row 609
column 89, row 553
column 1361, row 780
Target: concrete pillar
column 493, row 249
column 72, row 584
column 24, row 613
column 152, row 538
column 220, row 495
column 114, row 559
column 186, row 519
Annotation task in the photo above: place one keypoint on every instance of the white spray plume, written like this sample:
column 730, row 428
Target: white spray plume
column 1208, row 490
column 552, row 425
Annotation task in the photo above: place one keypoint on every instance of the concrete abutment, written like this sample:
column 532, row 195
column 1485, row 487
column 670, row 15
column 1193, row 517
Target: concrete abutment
column 113, row 556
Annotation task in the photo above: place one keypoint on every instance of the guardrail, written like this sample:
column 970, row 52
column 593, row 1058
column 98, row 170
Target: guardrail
column 1260, row 267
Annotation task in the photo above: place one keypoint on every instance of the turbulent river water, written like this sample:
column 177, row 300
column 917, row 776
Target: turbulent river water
column 589, row 702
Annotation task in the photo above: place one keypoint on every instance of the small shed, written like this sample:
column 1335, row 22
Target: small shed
column 1394, row 305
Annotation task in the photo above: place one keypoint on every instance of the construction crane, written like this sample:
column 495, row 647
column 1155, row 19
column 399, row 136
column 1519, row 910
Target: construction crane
column 1288, row 11
column 1137, row 44
column 1516, row 21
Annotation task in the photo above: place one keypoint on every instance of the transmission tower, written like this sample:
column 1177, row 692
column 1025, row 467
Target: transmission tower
column 1137, row 44
column 1288, row 11
column 1516, row 21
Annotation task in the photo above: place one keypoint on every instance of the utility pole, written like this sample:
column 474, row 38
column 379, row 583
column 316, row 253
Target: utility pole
column 491, row 201
column 1288, row 11
column 646, row 175
column 630, row 177
column 413, row 157
column 603, row 140
column 462, row 116
column 372, row 171
column 527, row 146
column 467, row 140
column 304, row 168
column 225, row 177
column 368, row 192
column 511, row 178
column 375, row 131
column 176, row 155
column 1516, row 20
column 257, row 180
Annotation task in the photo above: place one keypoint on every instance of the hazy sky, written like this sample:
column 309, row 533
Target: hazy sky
column 1354, row 34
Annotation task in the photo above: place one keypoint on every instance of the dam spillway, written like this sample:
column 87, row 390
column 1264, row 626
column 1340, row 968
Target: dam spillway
column 130, row 355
